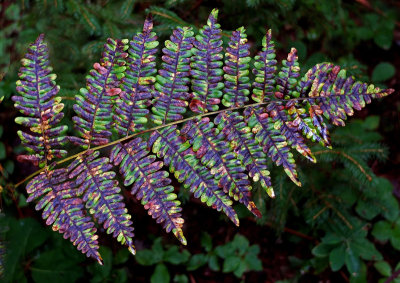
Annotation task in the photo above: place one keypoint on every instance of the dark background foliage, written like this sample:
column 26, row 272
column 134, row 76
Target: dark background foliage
column 343, row 224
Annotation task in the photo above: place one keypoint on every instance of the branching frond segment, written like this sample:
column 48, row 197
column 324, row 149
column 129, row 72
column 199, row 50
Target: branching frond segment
column 338, row 95
column 206, row 67
column 173, row 78
column 38, row 101
column 138, row 83
column 177, row 153
column 244, row 144
column 236, row 70
column 274, row 144
column 264, row 70
column 95, row 181
column 63, row 209
column 149, row 183
column 216, row 154
column 95, row 102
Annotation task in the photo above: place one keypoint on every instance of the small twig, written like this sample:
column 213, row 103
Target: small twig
column 393, row 276
column 349, row 158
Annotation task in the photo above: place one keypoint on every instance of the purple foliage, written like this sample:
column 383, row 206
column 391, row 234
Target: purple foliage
column 38, row 100
column 138, row 84
column 150, row 184
column 95, row 103
column 173, row 78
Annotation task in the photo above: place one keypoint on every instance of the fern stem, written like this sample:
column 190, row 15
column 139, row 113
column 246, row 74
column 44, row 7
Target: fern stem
column 349, row 158
column 199, row 116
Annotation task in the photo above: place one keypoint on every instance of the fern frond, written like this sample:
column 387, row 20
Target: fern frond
column 38, row 100
column 176, row 152
column 149, row 184
column 338, row 95
column 264, row 70
column 215, row 153
column 213, row 160
column 274, row 144
column 138, row 83
column 236, row 70
column 173, row 79
column 206, row 67
column 245, row 146
column 63, row 209
column 306, row 116
column 95, row 181
column 95, row 103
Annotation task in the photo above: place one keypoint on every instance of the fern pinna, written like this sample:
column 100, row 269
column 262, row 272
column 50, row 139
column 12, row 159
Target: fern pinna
column 193, row 119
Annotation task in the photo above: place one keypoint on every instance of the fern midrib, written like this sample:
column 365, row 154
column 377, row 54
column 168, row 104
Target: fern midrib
column 37, row 86
column 209, row 49
column 71, row 221
column 174, row 79
column 237, row 72
column 223, row 161
column 92, row 176
column 136, row 87
column 157, row 128
column 265, row 85
column 271, row 139
column 193, row 169
column 254, row 161
column 92, row 123
column 137, row 165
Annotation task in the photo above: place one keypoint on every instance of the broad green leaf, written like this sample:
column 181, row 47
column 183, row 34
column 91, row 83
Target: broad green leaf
column 371, row 123
column 322, row 250
column 147, row 257
column 230, row 264
column 381, row 230
column 383, row 268
column 180, row 278
column 24, row 235
column 332, row 239
column 365, row 249
column 174, row 256
column 361, row 276
column 206, row 242
column 336, row 257
column 54, row 266
column 383, row 72
column 240, row 243
column 241, row 268
column 213, row 263
column 122, row 256
column 102, row 272
column 352, row 262
column 160, row 275
column 197, row 261
column 2, row 151
column 253, row 262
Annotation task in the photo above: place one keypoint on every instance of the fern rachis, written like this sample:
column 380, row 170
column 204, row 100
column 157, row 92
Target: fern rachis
column 215, row 159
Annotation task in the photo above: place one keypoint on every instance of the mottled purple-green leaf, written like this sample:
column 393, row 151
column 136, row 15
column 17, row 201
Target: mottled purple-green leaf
column 236, row 70
column 246, row 148
column 150, row 184
column 138, row 83
column 215, row 153
column 337, row 95
column 168, row 144
column 40, row 105
column 207, row 72
column 94, row 180
column 274, row 143
column 173, row 78
column 94, row 104
column 264, row 71
column 63, row 209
